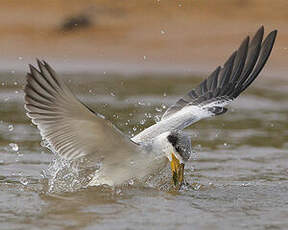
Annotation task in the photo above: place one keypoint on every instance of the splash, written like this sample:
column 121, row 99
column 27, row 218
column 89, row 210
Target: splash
column 63, row 176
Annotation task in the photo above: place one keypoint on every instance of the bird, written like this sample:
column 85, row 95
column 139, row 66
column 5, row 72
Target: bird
column 76, row 133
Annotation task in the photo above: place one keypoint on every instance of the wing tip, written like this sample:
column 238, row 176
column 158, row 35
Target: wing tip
column 261, row 30
column 273, row 34
column 241, row 74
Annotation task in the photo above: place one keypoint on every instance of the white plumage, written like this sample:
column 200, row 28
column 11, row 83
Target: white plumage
column 81, row 136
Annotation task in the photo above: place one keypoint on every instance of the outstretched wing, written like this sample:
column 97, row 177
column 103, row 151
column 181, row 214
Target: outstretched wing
column 219, row 89
column 71, row 129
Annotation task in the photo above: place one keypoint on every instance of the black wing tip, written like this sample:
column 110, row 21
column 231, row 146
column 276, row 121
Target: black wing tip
column 273, row 34
column 261, row 28
column 246, row 40
column 43, row 67
column 34, row 69
column 258, row 37
column 31, row 68
column 47, row 65
column 40, row 63
column 259, row 33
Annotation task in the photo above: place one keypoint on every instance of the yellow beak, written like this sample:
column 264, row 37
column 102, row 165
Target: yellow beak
column 177, row 172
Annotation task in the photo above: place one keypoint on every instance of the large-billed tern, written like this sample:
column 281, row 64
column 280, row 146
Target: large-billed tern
column 85, row 138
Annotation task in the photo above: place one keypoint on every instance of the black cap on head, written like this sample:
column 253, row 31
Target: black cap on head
column 173, row 139
column 181, row 143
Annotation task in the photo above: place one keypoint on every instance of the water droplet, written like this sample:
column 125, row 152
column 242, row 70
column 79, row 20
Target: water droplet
column 130, row 181
column 14, row 147
column 197, row 186
column 44, row 173
column 245, row 184
column 158, row 109
column 101, row 116
column 157, row 118
column 195, row 134
column 44, row 143
column 142, row 122
column 162, row 32
column 112, row 94
column 90, row 91
column 141, row 103
column 10, row 127
column 226, row 144
column 134, row 128
column 15, row 83
column 164, row 107
column 24, row 181
column 148, row 115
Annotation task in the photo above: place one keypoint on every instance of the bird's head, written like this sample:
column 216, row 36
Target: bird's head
column 177, row 148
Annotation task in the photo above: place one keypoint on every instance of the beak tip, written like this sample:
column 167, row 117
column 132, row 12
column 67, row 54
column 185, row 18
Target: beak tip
column 177, row 172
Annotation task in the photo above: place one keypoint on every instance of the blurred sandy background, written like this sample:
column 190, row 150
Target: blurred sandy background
column 146, row 35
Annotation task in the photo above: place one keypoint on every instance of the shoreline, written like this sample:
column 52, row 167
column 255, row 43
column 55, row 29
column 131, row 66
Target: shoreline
column 174, row 37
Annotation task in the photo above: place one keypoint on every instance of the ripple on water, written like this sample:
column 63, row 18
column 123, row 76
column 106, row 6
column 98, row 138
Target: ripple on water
column 237, row 177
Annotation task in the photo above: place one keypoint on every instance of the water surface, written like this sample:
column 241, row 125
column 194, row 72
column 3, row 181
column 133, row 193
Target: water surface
column 237, row 178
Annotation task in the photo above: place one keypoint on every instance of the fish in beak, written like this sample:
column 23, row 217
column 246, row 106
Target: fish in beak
column 177, row 172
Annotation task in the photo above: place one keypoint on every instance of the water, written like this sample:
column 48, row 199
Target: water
column 237, row 178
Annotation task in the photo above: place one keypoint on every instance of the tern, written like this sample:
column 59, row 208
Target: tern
column 85, row 138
